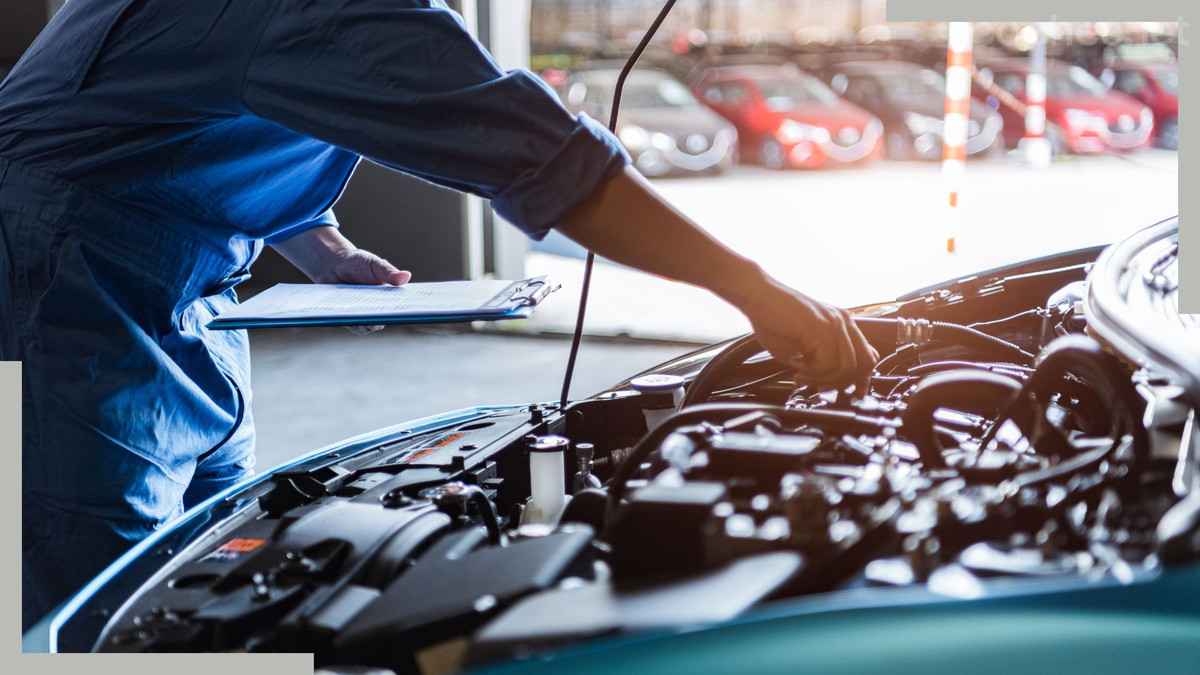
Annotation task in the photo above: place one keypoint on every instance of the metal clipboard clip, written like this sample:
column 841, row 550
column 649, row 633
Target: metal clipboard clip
column 533, row 292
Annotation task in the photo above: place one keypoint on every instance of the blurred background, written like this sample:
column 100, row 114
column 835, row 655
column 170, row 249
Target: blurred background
column 808, row 135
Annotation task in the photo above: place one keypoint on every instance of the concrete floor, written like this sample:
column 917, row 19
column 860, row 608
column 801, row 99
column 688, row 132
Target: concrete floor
column 316, row 386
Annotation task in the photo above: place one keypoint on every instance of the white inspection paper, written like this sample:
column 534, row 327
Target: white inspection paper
column 337, row 301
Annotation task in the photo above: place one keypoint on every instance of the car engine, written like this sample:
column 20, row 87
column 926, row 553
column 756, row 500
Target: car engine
column 997, row 442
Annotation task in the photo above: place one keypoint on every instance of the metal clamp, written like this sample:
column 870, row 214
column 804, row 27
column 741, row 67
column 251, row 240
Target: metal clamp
column 913, row 331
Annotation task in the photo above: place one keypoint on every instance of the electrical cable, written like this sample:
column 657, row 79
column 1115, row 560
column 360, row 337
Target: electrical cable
column 591, row 257
column 1007, row 321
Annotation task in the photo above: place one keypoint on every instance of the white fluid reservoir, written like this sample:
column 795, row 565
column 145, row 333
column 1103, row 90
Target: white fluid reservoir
column 547, row 470
column 660, row 396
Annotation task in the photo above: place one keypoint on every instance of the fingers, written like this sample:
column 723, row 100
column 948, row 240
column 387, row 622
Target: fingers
column 363, row 330
column 866, row 355
column 827, row 360
column 364, row 267
column 385, row 273
column 822, row 342
column 842, row 354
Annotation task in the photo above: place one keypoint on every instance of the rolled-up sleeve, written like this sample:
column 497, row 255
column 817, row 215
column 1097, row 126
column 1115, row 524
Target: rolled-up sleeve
column 326, row 218
column 401, row 82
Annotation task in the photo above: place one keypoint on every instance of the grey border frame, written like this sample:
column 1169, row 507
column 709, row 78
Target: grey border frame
column 282, row 664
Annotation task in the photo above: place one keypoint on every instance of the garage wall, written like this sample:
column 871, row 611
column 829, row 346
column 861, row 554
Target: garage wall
column 22, row 20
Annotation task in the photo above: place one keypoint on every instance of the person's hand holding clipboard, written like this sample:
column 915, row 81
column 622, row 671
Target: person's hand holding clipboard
column 289, row 305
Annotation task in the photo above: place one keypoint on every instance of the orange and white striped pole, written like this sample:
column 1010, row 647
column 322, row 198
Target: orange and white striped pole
column 960, row 37
column 1035, row 145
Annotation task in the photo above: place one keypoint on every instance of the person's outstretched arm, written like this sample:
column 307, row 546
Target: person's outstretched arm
column 627, row 222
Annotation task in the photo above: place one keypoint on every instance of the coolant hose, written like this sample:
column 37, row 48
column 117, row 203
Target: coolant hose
column 964, row 390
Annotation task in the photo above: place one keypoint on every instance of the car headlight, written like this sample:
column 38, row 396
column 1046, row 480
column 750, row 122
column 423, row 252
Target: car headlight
column 791, row 131
column 727, row 135
column 634, row 137
column 873, row 128
column 1147, row 116
column 1084, row 120
column 662, row 141
column 920, row 124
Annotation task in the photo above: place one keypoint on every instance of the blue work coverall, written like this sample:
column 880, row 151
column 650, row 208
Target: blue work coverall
column 148, row 149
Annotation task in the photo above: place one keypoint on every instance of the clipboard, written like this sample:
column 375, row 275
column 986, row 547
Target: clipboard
column 298, row 305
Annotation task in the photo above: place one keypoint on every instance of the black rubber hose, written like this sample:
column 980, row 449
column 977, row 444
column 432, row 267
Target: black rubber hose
column 968, row 390
column 718, row 413
column 938, row 366
column 915, row 373
column 488, row 514
column 1083, row 358
column 719, row 368
column 884, row 331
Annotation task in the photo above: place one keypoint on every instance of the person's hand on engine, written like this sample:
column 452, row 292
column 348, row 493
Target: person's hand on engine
column 820, row 341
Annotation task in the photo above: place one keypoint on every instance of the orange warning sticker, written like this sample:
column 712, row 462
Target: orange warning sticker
column 428, row 450
column 448, row 440
column 233, row 549
column 241, row 545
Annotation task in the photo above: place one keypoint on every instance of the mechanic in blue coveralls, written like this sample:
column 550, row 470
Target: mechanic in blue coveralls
column 150, row 148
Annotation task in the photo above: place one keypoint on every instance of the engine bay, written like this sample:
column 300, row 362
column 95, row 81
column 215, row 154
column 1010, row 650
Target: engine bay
column 997, row 441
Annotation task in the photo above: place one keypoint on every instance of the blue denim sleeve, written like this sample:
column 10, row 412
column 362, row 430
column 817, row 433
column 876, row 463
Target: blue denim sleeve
column 327, row 218
column 402, row 83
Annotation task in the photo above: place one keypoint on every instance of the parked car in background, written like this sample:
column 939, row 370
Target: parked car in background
column 1082, row 114
column 1155, row 84
column 787, row 118
column 664, row 128
column 910, row 99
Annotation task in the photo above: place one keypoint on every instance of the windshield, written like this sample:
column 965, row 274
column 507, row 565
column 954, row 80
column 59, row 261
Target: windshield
column 912, row 85
column 657, row 94
column 785, row 94
column 1074, row 82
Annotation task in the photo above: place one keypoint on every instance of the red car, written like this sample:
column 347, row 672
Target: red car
column 787, row 118
column 1155, row 83
column 1082, row 115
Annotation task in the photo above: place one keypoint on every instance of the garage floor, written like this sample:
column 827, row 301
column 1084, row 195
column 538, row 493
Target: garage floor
column 316, row 386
